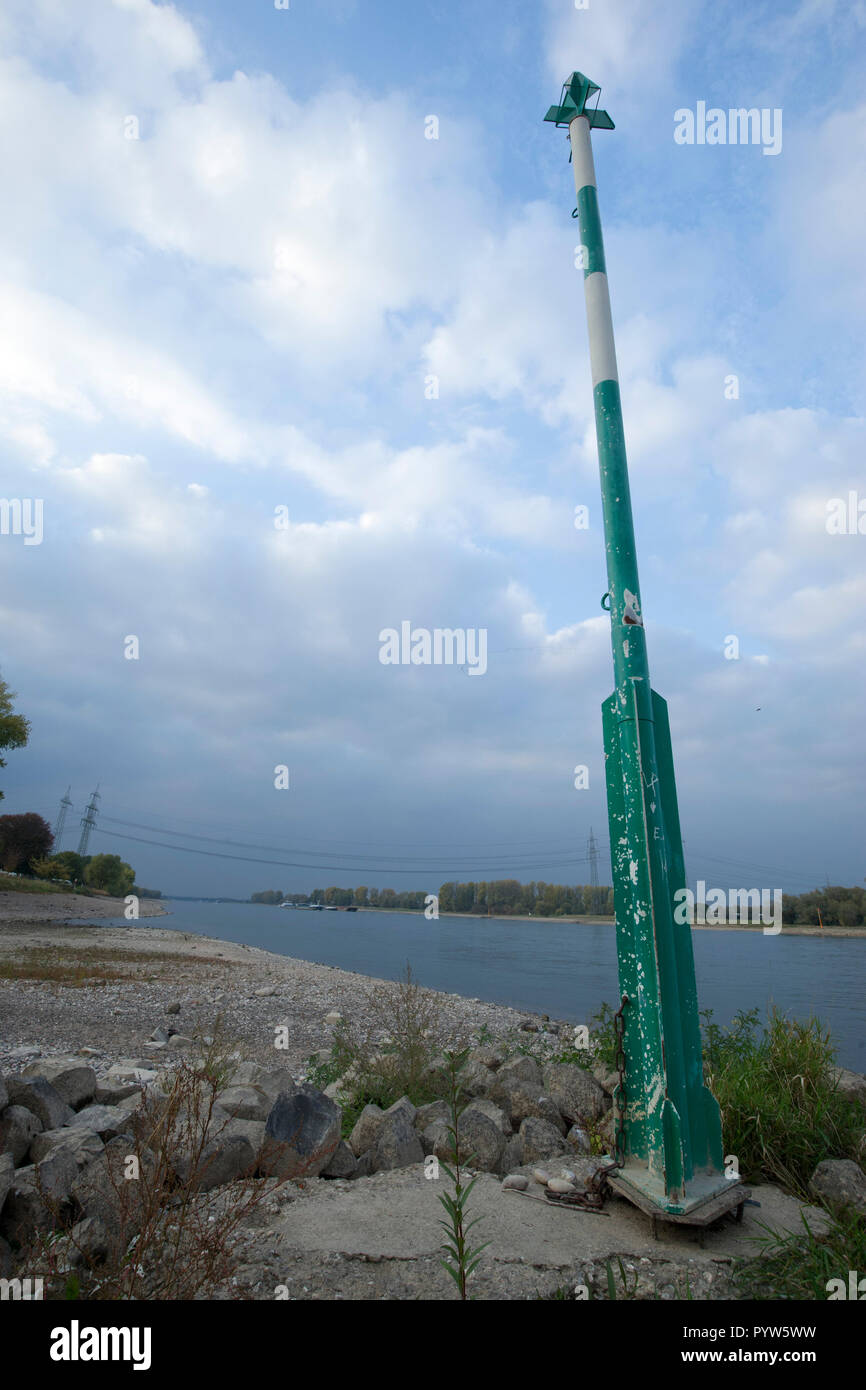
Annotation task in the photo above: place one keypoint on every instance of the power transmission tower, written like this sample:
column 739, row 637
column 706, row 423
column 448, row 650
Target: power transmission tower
column 65, row 805
column 592, row 852
column 88, row 820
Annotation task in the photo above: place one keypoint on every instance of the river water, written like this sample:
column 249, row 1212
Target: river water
column 561, row 969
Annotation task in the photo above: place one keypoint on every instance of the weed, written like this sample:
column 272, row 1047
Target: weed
column 463, row 1260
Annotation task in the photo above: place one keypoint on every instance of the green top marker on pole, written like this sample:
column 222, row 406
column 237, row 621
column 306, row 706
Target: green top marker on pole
column 669, row 1143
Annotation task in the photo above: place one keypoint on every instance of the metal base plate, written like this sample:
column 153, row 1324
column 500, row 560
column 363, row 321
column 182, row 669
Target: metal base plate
column 708, row 1197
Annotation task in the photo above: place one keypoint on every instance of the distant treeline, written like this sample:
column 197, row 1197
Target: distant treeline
column 506, row 897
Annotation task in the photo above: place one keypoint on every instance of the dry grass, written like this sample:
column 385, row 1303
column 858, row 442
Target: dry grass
column 96, row 966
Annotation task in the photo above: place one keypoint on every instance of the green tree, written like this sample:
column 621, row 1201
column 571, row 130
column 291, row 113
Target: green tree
column 360, row 896
column 23, row 838
column 110, row 873
column 68, row 864
column 14, row 728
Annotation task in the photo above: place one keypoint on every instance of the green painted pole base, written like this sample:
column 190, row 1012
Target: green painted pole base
column 672, row 1132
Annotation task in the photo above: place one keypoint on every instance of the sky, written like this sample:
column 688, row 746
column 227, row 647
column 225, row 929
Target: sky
column 294, row 351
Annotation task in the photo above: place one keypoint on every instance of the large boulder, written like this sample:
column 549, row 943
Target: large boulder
column 851, row 1084
column 18, row 1128
column 524, row 1069
column 518, row 1101
column 123, row 1079
column 435, row 1138
column 108, row 1191
column 366, row 1130
column 84, row 1144
column 575, row 1092
column 39, row 1097
column 252, row 1130
column 342, row 1163
column 38, row 1197
column 840, row 1184
column 105, row 1120
column 426, row 1114
column 540, row 1140
column 397, row 1145
column 74, row 1082
column 481, row 1143
column 7, row 1176
column 224, row 1158
column 246, row 1102
column 492, row 1111
column 304, row 1126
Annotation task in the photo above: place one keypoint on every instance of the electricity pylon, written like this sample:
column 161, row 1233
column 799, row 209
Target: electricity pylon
column 88, row 820
column 65, row 805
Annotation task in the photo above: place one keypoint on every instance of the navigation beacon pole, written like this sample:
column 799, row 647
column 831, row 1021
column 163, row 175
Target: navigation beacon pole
column 669, row 1139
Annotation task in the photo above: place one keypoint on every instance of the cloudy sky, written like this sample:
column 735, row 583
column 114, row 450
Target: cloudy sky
column 285, row 372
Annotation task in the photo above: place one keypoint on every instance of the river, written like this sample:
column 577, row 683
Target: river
column 562, row 969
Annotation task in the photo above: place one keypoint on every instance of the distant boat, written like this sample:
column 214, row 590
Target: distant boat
column 350, row 909
column 316, row 907
column 330, row 908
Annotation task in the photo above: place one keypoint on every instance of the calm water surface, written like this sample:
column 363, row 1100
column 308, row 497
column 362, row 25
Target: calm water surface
column 555, row 968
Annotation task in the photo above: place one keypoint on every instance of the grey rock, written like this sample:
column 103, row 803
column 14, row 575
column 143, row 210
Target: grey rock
column 18, row 1127
column 518, row 1181
column 246, row 1102
column 342, row 1163
column 122, row 1080
column 490, row 1057
column 426, row 1114
column 84, row 1144
column 840, row 1184
column 518, row 1101
column 436, row 1134
column 525, row 1069
column 484, row 1106
column 106, row 1190
column 404, row 1107
column 850, row 1083
column 606, row 1077
column 305, row 1126
column 481, row 1142
column 527, row 1026
column 223, row 1159
column 160, row 1035
column 540, row 1140
column 89, row 1242
column 105, row 1120
column 172, row 1008
column 273, row 1082
column 7, row 1176
column 365, row 1165
column 397, row 1145
column 252, row 1130
column 74, row 1082
column 575, row 1092
column 366, row 1130
column 39, row 1097
column 38, row 1197
column 579, row 1139
column 512, row 1155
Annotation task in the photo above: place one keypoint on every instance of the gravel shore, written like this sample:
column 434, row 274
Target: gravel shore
column 107, row 988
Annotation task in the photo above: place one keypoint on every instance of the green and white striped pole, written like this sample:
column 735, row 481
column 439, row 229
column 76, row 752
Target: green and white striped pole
column 669, row 1131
